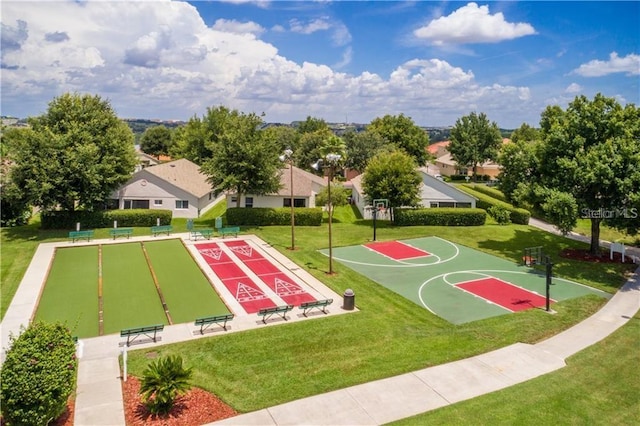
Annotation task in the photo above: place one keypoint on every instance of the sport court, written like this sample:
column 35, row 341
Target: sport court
column 100, row 289
column 457, row 283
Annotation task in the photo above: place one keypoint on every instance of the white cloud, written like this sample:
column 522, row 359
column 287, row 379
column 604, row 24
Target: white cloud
column 347, row 55
column 471, row 24
column 237, row 27
column 160, row 60
column 573, row 88
column 340, row 33
column 629, row 64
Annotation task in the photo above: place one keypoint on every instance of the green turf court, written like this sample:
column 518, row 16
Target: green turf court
column 435, row 279
column 120, row 279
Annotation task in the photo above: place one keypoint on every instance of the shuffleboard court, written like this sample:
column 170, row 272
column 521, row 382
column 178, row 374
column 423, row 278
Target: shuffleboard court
column 248, row 293
column 503, row 293
column 71, row 291
column 186, row 290
column 279, row 282
column 129, row 293
column 397, row 250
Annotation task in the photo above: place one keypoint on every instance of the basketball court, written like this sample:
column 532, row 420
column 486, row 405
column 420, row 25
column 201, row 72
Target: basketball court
column 457, row 283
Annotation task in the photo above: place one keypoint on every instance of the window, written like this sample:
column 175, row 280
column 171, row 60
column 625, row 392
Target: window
column 182, row 204
column 248, row 202
column 433, row 205
column 136, row 204
column 297, row 202
column 463, row 205
column 447, row 204
column 157, row 202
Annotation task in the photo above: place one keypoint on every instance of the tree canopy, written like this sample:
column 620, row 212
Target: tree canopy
column 392, row 175
column 73, row 156
column 156, row 141
column 361, row 147
column 241, row 161
column 587, row 166
column 404, row 134
column 474, row 140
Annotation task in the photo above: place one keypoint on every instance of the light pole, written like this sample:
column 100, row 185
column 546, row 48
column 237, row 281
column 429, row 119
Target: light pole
column 288, row 157
column 329, row 162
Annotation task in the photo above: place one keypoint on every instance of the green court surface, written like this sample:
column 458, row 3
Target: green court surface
column 71, row 293
column 129, row 296
column 430, row 281
column 186, row 290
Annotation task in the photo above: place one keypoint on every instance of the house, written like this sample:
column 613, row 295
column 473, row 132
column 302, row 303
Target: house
column 178, row 186
column 145, row 160
column 433, row 193
column 448, row 167
column 305, row 188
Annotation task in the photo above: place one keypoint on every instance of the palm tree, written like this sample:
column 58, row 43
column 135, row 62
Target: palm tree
column 162, row 382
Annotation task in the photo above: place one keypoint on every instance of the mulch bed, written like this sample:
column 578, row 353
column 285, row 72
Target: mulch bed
column 195, row 408
column 585, row 256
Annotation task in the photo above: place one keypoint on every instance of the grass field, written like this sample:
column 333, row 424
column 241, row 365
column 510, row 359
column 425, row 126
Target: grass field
column 389, row 335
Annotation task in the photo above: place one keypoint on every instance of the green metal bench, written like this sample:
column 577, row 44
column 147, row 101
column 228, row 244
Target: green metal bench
column 201, row 233
column 161, row 229
column 151, row 331
column 229, row 230
column 320, row 304
column 206, row 322
column 81, row 235
column 116, row 232
column 281, row 311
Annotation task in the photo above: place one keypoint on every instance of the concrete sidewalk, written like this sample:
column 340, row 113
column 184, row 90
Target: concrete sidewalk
column 398, row 397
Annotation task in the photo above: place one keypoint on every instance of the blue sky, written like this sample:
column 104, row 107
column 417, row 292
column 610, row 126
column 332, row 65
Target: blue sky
column 336, row 60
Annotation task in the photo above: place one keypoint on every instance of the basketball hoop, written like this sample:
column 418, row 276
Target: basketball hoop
column 379, row 206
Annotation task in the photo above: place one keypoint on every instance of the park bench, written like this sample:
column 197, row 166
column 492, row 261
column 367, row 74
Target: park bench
column 116, row 232
column 161, row 229
column 281, row 311
column 206, row 322
column 320, row 304
column 133, row 333
column 229, row 230
column 81, row 235
column 204, row 233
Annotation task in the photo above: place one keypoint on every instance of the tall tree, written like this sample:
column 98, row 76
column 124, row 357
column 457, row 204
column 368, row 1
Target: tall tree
column 363, row 146
column 474, row 140
column 392, row 176
column 312, row 125
column 156, row 141
column 75, row 155
column 525, row 133
column 283, row 137
column 308, row 151
column 402, row 132
column 242, row 161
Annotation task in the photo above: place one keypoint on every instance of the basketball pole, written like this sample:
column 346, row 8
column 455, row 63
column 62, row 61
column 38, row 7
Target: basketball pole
column 375, row 214
column 549, row 266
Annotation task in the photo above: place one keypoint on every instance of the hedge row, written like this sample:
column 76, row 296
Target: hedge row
column 442, row 216
column 274, row 216
column 104, row 219
column 488, row 190
column 520, row 216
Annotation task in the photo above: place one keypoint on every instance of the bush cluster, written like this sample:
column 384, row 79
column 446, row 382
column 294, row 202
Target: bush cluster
column 38, row 375
column 443, row 216
column 490, row 191
column 105, row 218
column 500, row 214
column 519, row 216
column 274, row 216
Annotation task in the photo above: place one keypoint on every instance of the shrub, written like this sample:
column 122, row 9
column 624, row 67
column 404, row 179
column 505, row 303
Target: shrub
column 162, row 382
column 104, row 219
column 38, row 375
column 440, row 217
column 500, row 214
column 490, row 191
column 274, row 216
column 520, row 216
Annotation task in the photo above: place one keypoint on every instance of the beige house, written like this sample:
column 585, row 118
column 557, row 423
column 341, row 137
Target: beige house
column 448, row 167
column 305, row 188
column 178, row 186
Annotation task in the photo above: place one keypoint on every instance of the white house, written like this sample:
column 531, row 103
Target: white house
column 178, row 186
column 433, row 193
column 305, row 188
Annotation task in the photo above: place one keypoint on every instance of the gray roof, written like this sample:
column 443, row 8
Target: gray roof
column 302, row 182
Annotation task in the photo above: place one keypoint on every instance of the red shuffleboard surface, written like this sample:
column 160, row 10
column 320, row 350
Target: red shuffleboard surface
column 397, row 250
column 503, row 294
column 248, row 294
column 286, row 288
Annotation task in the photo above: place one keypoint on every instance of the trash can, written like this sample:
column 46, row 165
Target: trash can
column 349, row 300
column 218, row 222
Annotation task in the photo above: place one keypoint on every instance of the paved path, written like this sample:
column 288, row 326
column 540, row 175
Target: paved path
column 99, row 396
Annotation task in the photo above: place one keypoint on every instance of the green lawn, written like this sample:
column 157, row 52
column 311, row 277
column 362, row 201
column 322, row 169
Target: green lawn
column 389, row 335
